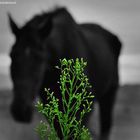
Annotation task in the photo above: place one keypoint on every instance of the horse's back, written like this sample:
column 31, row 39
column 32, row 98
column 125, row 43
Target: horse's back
column 113, row 40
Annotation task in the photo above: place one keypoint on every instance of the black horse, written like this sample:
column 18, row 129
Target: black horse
column 55, row 35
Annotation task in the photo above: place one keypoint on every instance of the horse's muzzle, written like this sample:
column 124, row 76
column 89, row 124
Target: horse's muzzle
column 21, row 112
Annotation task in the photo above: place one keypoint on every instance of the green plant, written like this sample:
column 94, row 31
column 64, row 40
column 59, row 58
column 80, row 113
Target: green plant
column 76, row 102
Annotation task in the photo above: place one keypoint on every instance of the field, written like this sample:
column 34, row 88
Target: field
column 126, row 117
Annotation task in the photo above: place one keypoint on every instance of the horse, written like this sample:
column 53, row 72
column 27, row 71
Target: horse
column 54, row 35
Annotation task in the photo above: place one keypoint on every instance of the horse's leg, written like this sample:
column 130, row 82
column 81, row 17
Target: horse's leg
column 106, row 105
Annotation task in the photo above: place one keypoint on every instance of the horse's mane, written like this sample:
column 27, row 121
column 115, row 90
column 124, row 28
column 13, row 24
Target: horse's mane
column 57, row 12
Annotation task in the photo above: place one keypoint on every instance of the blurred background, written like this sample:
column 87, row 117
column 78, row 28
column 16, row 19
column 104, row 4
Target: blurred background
column 121, row 17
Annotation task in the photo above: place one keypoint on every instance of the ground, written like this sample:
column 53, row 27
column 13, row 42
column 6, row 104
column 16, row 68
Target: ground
column 126, row 117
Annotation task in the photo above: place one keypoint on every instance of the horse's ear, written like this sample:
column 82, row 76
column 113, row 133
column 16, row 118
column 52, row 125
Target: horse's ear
column 13, row 25
column 45, row 28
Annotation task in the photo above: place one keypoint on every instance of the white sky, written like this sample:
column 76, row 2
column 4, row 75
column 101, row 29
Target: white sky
column 120, row 16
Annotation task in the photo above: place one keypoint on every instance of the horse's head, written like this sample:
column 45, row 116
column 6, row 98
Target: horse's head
column 28, row 65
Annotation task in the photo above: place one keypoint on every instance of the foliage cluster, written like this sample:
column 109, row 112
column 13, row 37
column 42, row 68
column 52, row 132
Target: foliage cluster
column 77, row 101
